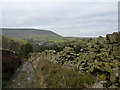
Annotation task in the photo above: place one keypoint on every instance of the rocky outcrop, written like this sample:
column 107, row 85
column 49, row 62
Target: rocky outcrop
column 100, row 58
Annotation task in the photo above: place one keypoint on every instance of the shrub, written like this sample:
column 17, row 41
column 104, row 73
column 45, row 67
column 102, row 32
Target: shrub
column 25, row 50
column 56, row 76
column 9, row 66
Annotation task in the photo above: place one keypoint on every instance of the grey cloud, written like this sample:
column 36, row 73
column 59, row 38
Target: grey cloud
column 63, row 18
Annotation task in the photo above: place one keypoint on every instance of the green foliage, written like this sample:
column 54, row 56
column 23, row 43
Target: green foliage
column 14, row 39
column 41, row 48
column 26, row 49
column 77, row 48
column 102, row 77
column 56, row 76
column 12, row 43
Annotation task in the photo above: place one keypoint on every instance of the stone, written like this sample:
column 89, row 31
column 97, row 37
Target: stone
column 68, row 49
column 102, row 77
column 101, row 41
column 113, row 38
column 99, row 58
column 113, row 78
column 118, row 37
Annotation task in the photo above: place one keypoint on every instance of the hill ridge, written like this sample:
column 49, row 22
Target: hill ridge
column 27, row 33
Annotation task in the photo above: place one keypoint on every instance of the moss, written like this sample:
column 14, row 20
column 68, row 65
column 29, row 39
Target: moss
column 108, row 67
column 113, row 65
column 102, row 77
column 112, row 77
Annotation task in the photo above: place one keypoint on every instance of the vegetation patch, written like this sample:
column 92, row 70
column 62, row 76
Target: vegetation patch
column 57, row 76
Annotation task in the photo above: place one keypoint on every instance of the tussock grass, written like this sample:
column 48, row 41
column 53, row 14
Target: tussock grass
column 55, row 76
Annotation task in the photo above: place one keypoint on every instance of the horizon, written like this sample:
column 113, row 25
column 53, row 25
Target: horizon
column 86, row 19
column 51, row 31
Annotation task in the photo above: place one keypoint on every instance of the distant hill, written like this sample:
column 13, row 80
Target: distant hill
column 28, row 33
column 9, row 38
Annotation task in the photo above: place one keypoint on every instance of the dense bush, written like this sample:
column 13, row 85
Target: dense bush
column 10, row 44
column 41, row 48
column 25, row 50
column 9, row 66
column 76, row 47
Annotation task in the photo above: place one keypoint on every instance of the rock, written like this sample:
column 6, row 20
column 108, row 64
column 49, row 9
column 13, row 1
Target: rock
column 113, row 86
column 68, row 49
column 116, row 50
column 118, row 38
column 97, row 85
column 113, row 38
column 115, row 72
column 113, row 77
column 99, row 58
column 101, row 41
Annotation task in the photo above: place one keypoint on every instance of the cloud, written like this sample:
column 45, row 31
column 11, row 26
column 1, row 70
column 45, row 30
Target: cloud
column 52, row 1
column 65, row 18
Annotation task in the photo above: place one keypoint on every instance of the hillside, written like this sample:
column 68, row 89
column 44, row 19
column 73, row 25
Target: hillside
column 14, row 39
column 95, row 66
column 40, row 36
column 28, row 33
column 12, row 43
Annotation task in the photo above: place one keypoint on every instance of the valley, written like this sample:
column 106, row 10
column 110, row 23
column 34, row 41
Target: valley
column 44, row 59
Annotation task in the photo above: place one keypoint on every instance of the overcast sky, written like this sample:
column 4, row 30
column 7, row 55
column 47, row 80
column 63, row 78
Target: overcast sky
column 65, row 18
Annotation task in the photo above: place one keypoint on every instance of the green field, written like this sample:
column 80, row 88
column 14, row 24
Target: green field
column 15, row 39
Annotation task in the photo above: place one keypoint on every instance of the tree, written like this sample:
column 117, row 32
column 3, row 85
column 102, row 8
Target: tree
column 77, row 48
column 25, row 50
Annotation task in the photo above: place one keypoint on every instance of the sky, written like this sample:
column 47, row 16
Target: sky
column 80, row 18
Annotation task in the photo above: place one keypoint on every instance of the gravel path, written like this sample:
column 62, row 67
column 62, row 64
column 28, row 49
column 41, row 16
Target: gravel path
column 25, row 77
